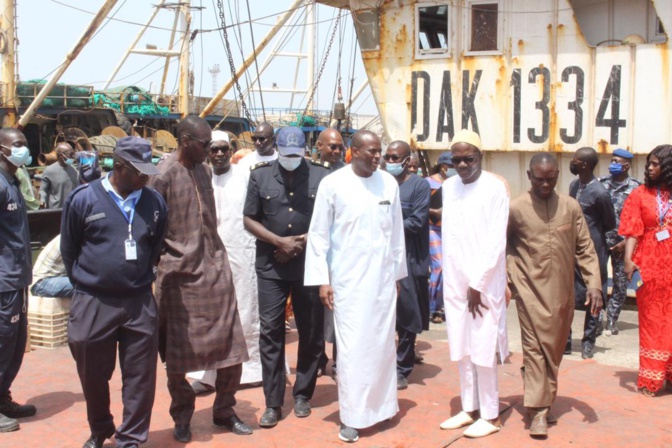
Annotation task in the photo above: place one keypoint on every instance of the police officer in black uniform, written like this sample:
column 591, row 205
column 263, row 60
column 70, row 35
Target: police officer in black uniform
column 278, row 208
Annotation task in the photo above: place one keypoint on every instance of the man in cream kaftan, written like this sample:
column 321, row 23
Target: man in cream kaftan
column 474, row 220
column 230, row 187
column 356, row 249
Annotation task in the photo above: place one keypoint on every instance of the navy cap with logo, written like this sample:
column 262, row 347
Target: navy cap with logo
column 624, row 153
column 290, row 141
column 137, row 152
column 446, row 157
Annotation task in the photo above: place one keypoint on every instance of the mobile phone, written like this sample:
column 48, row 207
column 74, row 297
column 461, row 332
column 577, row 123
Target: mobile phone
column 636, row 281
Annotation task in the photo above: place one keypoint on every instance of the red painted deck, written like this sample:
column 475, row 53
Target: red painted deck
column 597, row 406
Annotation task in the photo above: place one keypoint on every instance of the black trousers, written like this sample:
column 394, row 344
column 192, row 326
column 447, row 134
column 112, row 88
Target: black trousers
column 405, row 352
column 309, row 317
column 13, row 336
column 183, row 397
column 97, row 326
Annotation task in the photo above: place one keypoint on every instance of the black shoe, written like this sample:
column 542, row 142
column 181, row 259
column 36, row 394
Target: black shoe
column 270, row 417
column 302, row 408
column 612, row 328
column 568, row 348
column 587, row 352
column 12, row 409
column 320, row 371
column 96, row 441
column 182, row 433
column 233, row 424
column 8, row 424
column 402, row 382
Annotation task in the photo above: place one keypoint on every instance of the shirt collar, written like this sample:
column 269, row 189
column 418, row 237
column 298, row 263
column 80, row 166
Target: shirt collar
column 133, row 196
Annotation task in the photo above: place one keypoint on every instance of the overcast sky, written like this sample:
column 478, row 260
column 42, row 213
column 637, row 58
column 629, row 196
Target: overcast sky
column 48, row 29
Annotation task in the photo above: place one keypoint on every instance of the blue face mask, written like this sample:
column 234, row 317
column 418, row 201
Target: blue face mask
column 394, row 169
column 450, row 172
column 289, row 163
column 69, row 161
column 20, row 156
column 615, row 168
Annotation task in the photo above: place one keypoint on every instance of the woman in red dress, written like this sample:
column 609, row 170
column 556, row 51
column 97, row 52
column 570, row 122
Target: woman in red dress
column 646, row 222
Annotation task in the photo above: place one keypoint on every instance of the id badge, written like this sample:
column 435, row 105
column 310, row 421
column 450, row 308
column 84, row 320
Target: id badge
column 663, row 235
column 131, row 250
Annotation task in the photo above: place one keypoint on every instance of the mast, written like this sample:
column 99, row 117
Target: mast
column 185, row 9
column 8, row 77
column 71, row 56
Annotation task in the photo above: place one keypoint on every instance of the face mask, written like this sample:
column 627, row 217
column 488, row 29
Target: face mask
column 615, row 168
column 20, row 156
column 69, row 161
column 450, row 172
column 420, row 172
column 395, row 169
column 289, row 163
column 573, row 169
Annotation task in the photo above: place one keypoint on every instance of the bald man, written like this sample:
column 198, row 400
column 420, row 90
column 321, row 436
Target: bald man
column 356, row 253
column 331, row 148
column 264, row 149
column 59, row 178
column 547, row 237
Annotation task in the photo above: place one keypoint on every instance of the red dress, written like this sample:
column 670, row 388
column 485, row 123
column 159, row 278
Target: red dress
column 640, row 219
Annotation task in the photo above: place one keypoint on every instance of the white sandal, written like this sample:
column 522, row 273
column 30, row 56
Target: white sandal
column 481, row 428
column 457, row 421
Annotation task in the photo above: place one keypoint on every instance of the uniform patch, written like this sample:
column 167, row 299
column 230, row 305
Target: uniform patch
column 95, row 217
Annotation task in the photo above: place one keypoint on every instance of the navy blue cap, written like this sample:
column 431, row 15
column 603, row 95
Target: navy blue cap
column 620, row 152
column 138, row 152
column 290, row 141
column 446, row 157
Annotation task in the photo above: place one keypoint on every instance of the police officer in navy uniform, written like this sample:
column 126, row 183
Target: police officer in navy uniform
column 15, row 274
column 278, row 208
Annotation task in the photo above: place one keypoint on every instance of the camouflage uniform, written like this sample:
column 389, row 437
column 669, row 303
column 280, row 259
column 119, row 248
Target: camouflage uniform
column 619, row 191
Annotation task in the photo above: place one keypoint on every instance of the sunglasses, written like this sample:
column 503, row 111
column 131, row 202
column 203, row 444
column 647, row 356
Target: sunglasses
column 391, row 157
column 134, row 170
column 205, row 143
column 223, row 149
column 334, row 147
column 466, row 159
column 259, row 139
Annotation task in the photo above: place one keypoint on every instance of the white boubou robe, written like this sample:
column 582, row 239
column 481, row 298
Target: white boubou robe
column 356, row 244
column 230, row 190
column 473, row 235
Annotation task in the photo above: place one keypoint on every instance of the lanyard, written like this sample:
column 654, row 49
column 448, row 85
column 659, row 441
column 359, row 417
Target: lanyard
column 662, row 209
column 129, row 217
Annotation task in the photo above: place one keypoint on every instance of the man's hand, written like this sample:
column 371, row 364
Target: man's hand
column 617, row 249
column 594, row 299
column 327, row 296
column 290, row 246
column 474, row 302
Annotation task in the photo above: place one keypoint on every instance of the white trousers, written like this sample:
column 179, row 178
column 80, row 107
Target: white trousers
column 478, row 388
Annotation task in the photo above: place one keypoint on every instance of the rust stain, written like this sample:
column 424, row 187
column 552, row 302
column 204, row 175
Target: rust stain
column 603, row 146
column 521, row 43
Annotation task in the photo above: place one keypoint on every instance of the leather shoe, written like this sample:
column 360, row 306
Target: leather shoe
column 96, row 441
column 568, row 348
column 8, row 424
column 270, row 417
column 12, row 409
column 182, row 433
column 233, row 424
column 539, row 425
column 587, row 352
column 402, row 382
column 302, row 408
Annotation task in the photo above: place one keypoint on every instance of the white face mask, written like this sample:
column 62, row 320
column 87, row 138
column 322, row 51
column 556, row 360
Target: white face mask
column 20, row 156
column 289, row 163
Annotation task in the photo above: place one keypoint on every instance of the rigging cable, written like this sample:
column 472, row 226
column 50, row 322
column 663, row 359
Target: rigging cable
column 256, row 66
